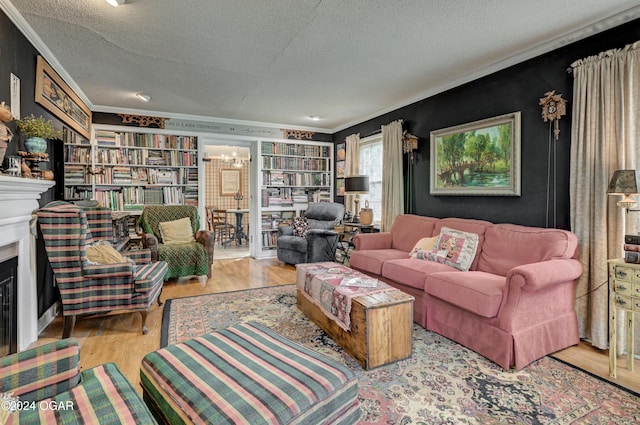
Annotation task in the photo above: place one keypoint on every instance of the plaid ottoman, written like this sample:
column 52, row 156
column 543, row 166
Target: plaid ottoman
column 247, row 374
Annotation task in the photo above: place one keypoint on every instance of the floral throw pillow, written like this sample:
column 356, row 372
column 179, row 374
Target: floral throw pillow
column 300, row 227
column 455, row 248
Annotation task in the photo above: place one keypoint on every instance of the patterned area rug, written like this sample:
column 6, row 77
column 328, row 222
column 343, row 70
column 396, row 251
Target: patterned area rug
column 442, row 383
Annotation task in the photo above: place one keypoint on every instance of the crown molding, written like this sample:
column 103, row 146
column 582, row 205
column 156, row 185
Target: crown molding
column 203, row 118
column 556, row 43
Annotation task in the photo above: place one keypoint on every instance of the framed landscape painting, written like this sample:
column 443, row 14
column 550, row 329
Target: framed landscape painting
column 479, row 158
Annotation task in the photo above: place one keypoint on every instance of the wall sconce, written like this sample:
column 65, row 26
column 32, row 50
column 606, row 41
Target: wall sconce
column 623, row 182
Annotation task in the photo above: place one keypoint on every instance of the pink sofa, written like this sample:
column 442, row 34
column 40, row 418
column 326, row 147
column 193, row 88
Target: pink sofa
column 513, row 306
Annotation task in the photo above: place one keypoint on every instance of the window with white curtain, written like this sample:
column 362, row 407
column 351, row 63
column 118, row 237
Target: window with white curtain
column 370, row 164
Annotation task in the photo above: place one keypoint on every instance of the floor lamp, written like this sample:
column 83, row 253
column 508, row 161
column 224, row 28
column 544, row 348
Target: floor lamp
column 355, row 185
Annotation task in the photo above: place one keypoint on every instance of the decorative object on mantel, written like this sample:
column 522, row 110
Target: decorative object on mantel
column 553, row 108
column 142, row 121
column 297, row 134
column 31, row 165
column 36, row 131
column 5, row 132
column 238, row 197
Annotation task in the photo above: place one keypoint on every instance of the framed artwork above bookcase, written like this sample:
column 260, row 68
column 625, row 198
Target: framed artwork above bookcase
column 125, row 168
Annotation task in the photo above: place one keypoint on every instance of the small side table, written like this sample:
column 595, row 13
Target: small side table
column 624, row 294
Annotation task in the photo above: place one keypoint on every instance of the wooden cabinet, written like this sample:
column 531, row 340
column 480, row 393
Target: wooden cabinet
column 292, row 174
column 624, row 294
column 125, row 169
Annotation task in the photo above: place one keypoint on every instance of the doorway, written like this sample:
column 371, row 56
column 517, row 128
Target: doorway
column 227, row 195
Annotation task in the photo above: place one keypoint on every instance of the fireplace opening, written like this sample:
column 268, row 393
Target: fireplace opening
column 9, row 306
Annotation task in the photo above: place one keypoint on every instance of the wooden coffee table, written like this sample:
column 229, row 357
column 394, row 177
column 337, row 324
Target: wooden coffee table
column 381, row 325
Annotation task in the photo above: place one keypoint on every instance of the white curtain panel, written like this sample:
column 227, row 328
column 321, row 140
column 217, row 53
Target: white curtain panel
column 392, row 180
column 604, row 137
column 352, row 165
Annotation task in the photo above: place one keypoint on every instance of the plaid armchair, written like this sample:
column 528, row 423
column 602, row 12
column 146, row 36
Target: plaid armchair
column 49, row 375
column 86, row 287
column 188, row 259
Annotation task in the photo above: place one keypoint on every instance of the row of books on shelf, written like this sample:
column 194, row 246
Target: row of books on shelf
column 294, row 149
column 279, row 178
column 77, row 154
column 71, row 137
column 135, row 198
column 287, row 197
column 632, row 249
column 272, row 220
column 145, row 140
column 77, row 174
column 291, row 163
column 269, row 240
column 124, row 156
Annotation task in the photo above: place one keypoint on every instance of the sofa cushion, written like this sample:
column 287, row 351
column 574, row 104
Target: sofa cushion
column 408, row 229
column 412, row 272
column 370, row 261
column 479, row 227
column 508, row 245
column 477, row 292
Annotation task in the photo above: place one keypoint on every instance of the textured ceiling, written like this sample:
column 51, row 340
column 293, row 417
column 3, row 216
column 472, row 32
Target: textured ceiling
column 280, row 61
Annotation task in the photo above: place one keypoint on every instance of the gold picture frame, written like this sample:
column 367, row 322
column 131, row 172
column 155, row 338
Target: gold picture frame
column 58, row 98
column 479, row 158
column 230, row 181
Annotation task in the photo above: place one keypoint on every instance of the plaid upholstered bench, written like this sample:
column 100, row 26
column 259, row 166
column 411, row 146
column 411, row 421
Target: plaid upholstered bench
column 247, row 374
column 44, row 385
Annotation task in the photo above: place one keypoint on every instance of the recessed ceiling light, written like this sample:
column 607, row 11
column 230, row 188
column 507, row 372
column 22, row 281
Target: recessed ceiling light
column 143, row 97
column 314, row 117
column 116, row 3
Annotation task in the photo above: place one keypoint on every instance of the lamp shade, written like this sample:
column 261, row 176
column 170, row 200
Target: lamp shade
column 356, row 184
column 623, row 182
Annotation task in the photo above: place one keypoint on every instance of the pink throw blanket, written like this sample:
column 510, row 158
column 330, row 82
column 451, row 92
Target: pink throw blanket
column 321, row 282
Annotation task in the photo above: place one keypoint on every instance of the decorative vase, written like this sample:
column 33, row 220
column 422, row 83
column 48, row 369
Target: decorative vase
column 35, row 145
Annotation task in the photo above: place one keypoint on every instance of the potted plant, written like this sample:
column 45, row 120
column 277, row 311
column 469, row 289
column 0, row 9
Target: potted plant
column 36, row 130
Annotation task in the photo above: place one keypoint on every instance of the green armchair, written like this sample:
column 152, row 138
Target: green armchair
column 184, row 259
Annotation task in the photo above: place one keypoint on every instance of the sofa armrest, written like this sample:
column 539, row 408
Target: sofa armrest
column 364, row 241
column 107, row 271
column 41, row 372
column 285, row 231
column 139, row 256
column 208, row 239
column 150, row 242
column 538, row 292
column 536, row 276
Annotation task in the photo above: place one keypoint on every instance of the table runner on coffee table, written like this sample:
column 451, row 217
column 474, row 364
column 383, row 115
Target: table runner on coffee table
column 321, row 282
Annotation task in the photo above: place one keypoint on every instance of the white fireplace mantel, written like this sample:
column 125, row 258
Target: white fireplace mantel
column 18, row 201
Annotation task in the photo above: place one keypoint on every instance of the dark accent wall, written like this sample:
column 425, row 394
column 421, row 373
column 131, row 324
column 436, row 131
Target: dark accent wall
column 517, row 88
column 18, row 56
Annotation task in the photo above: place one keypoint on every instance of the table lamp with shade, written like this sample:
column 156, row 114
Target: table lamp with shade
column 356, row 185
column 623, row 182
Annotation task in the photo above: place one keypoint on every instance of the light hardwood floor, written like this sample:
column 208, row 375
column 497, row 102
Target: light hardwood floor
column 117, row 338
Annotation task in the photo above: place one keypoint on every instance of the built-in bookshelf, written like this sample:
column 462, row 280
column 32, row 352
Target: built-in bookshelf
column 125, row 170
column 292, row 175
